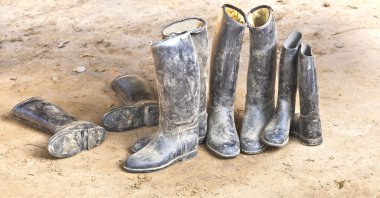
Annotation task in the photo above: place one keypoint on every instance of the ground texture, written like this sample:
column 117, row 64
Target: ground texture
column 42, row 41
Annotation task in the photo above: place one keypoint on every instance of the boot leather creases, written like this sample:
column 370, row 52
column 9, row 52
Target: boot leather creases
column 307, row 125
column 259, row 103
column 222, row 137
column 178, row 79
column 70, row 136
column 276, row 132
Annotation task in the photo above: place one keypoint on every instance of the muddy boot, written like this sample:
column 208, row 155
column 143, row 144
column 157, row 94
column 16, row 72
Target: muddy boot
column 222, row 138
column 307, row 126
column 276, row 132
column 70, row 136
column 197, row 27
column 178, row 79
column 141, row 105
column 259, row 103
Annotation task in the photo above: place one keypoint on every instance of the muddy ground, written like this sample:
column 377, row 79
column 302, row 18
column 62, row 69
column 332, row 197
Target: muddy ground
column 42, row 41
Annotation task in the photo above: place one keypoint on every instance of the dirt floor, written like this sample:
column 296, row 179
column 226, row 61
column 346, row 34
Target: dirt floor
column 42, row 41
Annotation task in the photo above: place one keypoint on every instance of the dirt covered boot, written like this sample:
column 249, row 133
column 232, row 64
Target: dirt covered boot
column 197, row 27
column 70, row 136
column 276, row 132
column 222, row 138
column 306, row 126
column 259, row 103
column 141, row 105
column 178, row 80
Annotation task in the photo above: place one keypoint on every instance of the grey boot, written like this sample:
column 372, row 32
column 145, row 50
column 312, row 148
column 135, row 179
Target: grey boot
column 70, row 136
column 222, row 138
column 141, row 105
column 307, row 126
column 276, row 132
column 178, row 79
column 197, row 27
column 259, row 103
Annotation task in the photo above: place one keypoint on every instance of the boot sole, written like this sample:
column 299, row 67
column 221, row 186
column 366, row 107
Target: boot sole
column 306, row 141
column 254, row 152
column 222, row 155
column 70, row 143
column 182, row 158
column 132, row 116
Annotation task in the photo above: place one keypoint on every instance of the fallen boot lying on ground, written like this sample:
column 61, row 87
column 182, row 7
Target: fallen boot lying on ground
column 178, row 81
column 141, row 105
column 306, row 126
column 222, row 137
column 197, row 27
column 259, row 103
column 70, row 136
column 276, row 132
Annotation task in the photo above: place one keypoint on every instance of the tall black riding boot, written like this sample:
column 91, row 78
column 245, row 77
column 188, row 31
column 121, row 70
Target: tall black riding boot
column 70, row 136
column 276, row 132
column 259, row 103
column 141, row 105
column 178, row 79
column 222, row 138
column 197, row 27
column 307, row 126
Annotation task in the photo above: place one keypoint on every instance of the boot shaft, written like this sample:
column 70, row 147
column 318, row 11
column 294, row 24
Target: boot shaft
column 225, row 55
column 132, row 89
column 197, row 27
column 262, row 57
column 287, row 83
column 178, row 79
column 42, row 115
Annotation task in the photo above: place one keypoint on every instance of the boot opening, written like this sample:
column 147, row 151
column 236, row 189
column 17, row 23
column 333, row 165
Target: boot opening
column 178, row 27
column 235, row 14
column 306, row 50
column 293, row 40
column 259, row 17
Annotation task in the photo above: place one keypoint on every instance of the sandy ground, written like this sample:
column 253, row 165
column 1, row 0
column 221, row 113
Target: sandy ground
column 111, row 38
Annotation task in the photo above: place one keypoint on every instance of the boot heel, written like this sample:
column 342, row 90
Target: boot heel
column 188, row 156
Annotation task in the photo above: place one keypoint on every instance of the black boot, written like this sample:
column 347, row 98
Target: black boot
column 178, row 79
column 259, row 103
column 198, row 31
column 222, row 138
column 70, row 136
column 141, row 105
column 307, row 126
column 276, row 132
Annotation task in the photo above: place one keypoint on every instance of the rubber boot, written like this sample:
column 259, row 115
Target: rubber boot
column 307, row 126
column 70, row 136
column 259, row 103
column 141, row 105
column 222, row 138
column 276, row 132
column 178, row 79
column 197, row 27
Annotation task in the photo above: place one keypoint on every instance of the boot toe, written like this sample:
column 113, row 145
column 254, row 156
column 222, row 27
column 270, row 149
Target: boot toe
column 249, row 146
column 225, row 149
column 275, row 138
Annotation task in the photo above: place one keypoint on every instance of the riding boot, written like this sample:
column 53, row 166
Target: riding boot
column 178, row 80
column 222, row 138
column 306, row 126
column 141, row 107
column 198, row 31
column 276, row 132
column 69, row 135
column 259, row 103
